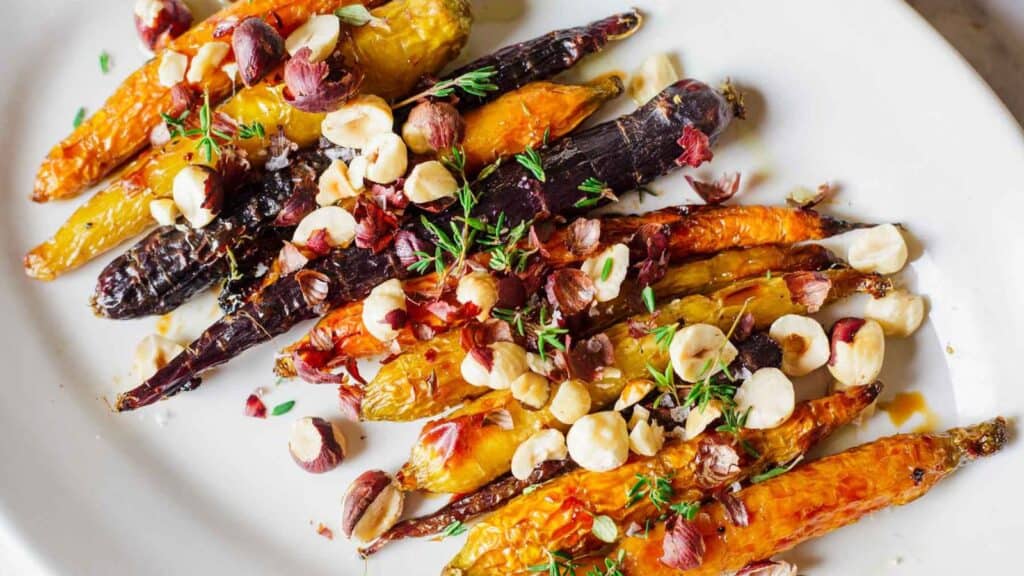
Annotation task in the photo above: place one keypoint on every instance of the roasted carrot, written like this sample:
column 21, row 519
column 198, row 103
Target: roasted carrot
column 624, row 154
column 559, row 515
column 817, row 498
column 461, row 451
column 421, row 37
column 121, row 127
column 690, row 230
column 425, row 380
column 170, row 265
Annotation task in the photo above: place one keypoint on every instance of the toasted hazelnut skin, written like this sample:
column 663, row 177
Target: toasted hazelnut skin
column 433, row 127
column 160, row 21
column 372, row 505
column 330, row 445
column 258, row 49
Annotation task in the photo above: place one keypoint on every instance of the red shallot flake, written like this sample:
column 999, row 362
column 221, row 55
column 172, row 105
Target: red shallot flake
column 696, row 147
column 254, row 407
column 683, row 546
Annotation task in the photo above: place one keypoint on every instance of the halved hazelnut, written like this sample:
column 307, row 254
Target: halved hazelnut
column 767, row 398
column 571, row 402
column 899, row 312
column 316, row 445
column 338, row 223
column 385, row 304
column 357, row 121
column 858, row 350
column 531, row 389
column 199, row 194
column 633, row 392
column 599, row 442
column 480, row 288
column 386, row 158
column 607, row 269
column 164, row 211
column 160, row 21
column 319, row 34
column 172, row 68
column 258, row 49
column 700, row 418
column 372, row 505
column 880, row 249
column 543, row 445
column 207, row 59
column 804, row 344
column 336, row 184
column 429, row 181
column 646, row 439
column 700, row 350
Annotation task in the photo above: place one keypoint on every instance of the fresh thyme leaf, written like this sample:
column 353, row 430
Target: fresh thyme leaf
column 663, row 335
column 664, row 381
column 475, row 82
column 530, row 160
column 515, row 318
column 176, row 126
column 104, row 62
column 531, row 489
column 456, row 528
column 612, row 566
column 777, row 471
column 356, row 15
column 606, row 270
column 254, row 130
column 559, row 564
column 648, row 296
column 595, row 191
column 657, row 489
column 604, row 529
column 283, row 408
column 79, row 117
column 687, row 510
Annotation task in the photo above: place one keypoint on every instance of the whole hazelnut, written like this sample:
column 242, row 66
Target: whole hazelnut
column 433, row 127
column 160, row 21
column 372, row 504
column 258, row 49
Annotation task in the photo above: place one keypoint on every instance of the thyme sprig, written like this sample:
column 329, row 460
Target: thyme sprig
column 530, row 160
column 176, row 126
column 549, row 334
column 612, row 566
column 503, row 242
column 687, row 510
column 657, row 489
column 516, row 318
column 475, row 82
column 596, row 191
column 253, row 130
column 458, row 240
column 559, row 564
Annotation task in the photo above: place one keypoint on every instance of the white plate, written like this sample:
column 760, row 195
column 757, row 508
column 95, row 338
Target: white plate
column 860, row 93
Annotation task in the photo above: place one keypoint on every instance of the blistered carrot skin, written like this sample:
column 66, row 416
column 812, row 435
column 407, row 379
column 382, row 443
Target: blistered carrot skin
column 422, row 36
column 817, row 498
column 624, row 153
column 119, row 129
column 425, row 380
column 459, row 453
column 559, row 515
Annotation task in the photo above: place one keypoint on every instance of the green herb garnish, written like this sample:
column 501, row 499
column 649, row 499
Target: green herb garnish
column 657, row 489
column 663, row 335
column 548, row 335
column 254, row 130
column 104, row 62
column 595, row 191
column 648, row 296
column 612, row 566
column 530, row 160
column 283, row 408
column 687, row 510
column 456, row 528
column 559, row 564
column 79, row 117
column 777, row 471
column 475, row 82
column 356, row 15
column 606, row 270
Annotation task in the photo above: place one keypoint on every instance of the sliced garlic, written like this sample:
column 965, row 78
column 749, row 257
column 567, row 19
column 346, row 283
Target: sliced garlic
column 151, row 354
column 700, row 350
column 542, row 446
column 429, row 181
column 633, row 392
column 319, row 34
column 164, row 211
column 207, row 59
column 531, row 389
column 357, row 121
column 387, row 297
column 334, row 184
column 386, row 158
column 880, row 249
column 599, row 442
column 803, row 341
column 614, row 259
column 899, row 312
column 481, row 289
column 767, row 398
column 339, row 224
column 858, row 351
column 172, row 68
column 700, row 418
column 653, row 76
column 571, row 401
column 646, row 439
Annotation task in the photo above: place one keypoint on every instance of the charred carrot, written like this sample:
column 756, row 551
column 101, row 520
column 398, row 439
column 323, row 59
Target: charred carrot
column 817, row 498
column 559, row 515
column 624, row 154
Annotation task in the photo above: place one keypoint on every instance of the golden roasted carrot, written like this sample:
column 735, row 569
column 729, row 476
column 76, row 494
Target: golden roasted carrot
column 559, row 515
column 817, row 498
column 522, row 118
column 460, row 452
column 421, row 37
column 121, row 127
column 425, row 380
